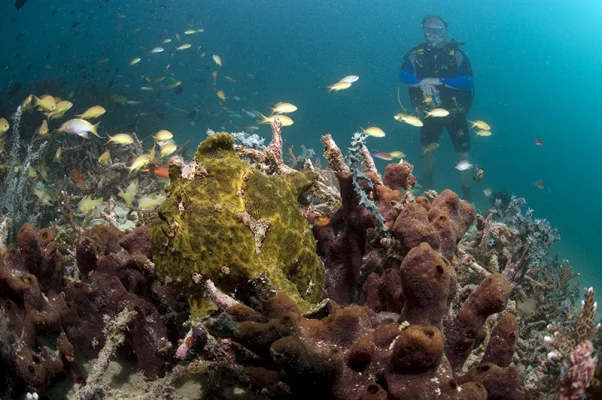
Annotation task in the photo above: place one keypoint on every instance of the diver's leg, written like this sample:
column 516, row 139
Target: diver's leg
column 460, row 137
column 429, row 133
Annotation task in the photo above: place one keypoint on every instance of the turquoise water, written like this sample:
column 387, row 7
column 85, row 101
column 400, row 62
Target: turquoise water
column 536, row 66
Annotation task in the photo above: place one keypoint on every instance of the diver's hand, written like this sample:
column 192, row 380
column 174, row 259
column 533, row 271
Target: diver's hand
column 428, row 86
column 428, row 90
column 429, row 82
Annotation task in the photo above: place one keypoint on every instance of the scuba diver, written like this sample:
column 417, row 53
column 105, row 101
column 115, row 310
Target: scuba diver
column 439, row 75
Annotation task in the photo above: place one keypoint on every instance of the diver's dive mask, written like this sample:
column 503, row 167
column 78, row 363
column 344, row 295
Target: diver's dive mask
column 434, row 32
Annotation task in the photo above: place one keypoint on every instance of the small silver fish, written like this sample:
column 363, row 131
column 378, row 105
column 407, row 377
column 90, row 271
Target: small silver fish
column 464, row 165
column 250, row 114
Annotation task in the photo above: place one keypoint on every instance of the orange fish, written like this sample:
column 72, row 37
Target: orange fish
column 77, row 177
column 320, row 221
column 162, row 171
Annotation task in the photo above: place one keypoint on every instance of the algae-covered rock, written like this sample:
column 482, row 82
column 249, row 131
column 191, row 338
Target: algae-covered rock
column 225, row 221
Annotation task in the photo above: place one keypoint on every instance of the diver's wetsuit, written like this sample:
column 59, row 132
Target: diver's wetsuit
column 452, row 67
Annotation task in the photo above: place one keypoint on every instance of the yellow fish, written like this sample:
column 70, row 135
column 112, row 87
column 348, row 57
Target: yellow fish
column 190, row 32
column 4, row 126
column 150, row 202
column 374, row 131
column 397, row 154
column 220, row 94
column 157, row 50
column 339, row 86
column 526, row 306
column 284, row 120
column 217, row 59
column 480, row 124
column 183, row 47
column 163, row 135
column 437, row 112
column 46, row 103
column 120, row 138
column 57, row 155
column 283, row 108
column 431, row 147
column 409, row 119
column 104, row 158
column 92, row 113
column 130, row 193
column 483, row 132
column 168, row 149
column 173, row 85
column 43, row 196
column 88, row 204
column 156, row 79
column 135, row 61
column 350, row 79
column 168, row 40
column 214, row 73
column 61, row 108
column 27, row 104
column 43, row 129
column 139, row 162
column 119, row 98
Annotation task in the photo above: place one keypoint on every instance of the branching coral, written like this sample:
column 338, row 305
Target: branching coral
column 537, row 235
column 16, row 197
column 571, row 355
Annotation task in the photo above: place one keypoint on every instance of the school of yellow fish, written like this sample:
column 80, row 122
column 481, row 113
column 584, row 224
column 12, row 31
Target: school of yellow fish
column 55, row 108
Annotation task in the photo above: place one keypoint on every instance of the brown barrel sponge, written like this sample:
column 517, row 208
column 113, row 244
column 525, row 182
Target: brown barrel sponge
column 418, row 349
column 360, row 354
column 412, row 227
column 502, row 343
column 425, row 280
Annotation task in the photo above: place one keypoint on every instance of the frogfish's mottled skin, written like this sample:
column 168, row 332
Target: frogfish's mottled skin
column 214, row 224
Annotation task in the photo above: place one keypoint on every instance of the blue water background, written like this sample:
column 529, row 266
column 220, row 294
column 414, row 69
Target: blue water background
column 537, row 68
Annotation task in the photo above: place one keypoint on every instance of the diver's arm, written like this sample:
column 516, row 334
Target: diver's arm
column 463, row 82
column 408, row 78
column 406, row 75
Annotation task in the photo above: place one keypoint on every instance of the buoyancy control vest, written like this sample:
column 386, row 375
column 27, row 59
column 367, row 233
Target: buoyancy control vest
column 440, row 63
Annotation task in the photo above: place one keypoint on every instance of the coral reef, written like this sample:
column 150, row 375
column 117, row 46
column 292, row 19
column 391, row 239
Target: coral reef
column 263, row 281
